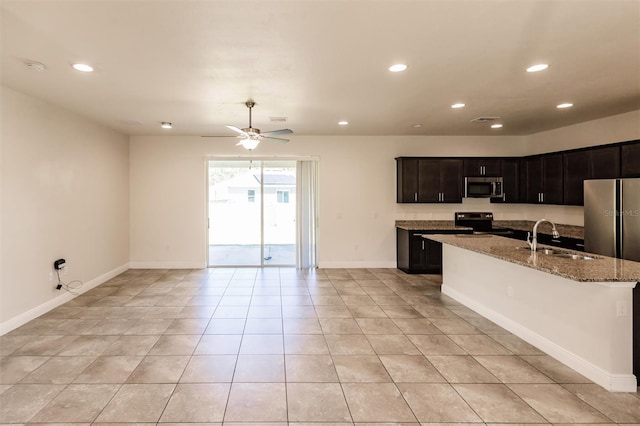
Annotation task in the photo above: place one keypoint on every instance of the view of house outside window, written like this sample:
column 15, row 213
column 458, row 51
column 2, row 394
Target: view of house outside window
column 237, row 193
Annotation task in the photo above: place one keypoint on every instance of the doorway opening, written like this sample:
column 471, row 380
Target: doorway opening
column 252, row 213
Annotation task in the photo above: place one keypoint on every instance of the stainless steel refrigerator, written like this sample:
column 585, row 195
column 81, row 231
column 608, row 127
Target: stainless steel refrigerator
column 612, row 218
column 612, row 228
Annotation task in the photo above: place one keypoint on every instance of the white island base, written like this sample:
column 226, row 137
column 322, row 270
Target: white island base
column 585, row 325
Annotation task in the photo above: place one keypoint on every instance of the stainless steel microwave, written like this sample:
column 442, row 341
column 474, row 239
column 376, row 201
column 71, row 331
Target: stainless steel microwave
column 483, row 187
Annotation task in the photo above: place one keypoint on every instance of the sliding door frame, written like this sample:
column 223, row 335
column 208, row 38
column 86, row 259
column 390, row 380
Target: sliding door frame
column 262, row 160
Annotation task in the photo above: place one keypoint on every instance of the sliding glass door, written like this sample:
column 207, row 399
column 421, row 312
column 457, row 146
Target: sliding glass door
column 252, row 213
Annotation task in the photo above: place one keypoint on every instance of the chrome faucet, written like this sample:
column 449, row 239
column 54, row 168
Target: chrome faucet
column 534, row 240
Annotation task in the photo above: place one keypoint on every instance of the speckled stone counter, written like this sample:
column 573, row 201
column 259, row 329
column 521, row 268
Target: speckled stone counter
column 570, row 231
column 523, row 225
column 430, row 225
column 599, row 269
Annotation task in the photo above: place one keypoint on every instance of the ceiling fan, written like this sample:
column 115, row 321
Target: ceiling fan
column 250, row 137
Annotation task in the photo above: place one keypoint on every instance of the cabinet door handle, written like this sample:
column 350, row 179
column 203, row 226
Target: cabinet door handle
column 482, row 170
column 542, row 196
column 422, row 245
column 415, row 196
column 504, row 197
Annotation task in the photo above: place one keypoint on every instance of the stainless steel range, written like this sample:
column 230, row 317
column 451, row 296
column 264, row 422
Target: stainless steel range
column 481, row 222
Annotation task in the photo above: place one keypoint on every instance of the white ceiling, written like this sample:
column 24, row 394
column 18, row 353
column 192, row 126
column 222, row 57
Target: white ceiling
column 195, row 63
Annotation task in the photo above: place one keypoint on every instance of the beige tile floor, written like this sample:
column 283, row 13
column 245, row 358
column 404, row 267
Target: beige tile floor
column 281, row 346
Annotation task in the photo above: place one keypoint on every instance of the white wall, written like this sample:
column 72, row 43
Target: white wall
column 64, row 194
column 71, row 188
column 357, row 188
column 357, row 192
column 617, row 128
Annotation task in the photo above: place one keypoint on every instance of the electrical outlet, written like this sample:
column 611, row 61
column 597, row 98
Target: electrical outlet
column 621, row 308
column 50, row 276
column 510, row 291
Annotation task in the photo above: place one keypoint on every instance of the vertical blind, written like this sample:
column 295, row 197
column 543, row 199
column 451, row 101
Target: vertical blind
column 307, row 232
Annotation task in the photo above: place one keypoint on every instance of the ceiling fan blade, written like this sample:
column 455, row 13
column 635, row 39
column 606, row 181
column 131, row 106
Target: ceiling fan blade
column 278, row 132
column 276, row 139
column 236, row 129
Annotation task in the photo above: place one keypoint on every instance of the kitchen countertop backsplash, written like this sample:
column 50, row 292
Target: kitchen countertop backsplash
column 430, row 225
column 570, row 231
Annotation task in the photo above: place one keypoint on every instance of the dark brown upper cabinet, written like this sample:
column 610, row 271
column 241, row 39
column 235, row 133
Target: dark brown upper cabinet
column 544, row 179
column 590, row 163
column 407, row 180
column 630, row 160
column 575, row 170
column 509, row 170
column 482, row 167
column 554, row 178
column 604, row 162
column 429, row 180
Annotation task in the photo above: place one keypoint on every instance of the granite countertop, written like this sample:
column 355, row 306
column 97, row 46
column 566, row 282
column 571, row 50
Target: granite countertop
column 430, row 225
column 570, row 231
column 599, row 269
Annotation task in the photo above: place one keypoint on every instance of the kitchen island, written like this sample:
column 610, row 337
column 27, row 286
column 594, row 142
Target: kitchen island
column 578, row 311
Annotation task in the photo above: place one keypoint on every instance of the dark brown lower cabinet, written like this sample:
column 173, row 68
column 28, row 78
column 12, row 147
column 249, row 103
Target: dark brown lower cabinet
column 418, row 255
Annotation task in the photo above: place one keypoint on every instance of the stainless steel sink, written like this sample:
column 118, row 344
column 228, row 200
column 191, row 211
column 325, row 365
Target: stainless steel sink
column 574, row 256
column 543, row 250
column 559, row 253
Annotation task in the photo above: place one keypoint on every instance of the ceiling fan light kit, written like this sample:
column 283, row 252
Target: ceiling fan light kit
column 249, row 144
column 250, row 137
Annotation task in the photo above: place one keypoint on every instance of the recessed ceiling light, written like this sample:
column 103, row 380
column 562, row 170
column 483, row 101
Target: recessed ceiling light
column 496, row 126
column 458, row 105
column 537, row 67
column 343, row 123
column 397, row 67
column 564, row 105
column 417, row 125
column 83, row 67
column 166, row 125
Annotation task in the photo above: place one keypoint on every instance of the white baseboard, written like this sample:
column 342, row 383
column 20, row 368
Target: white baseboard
column 25, row 317
column 167, row 265
column 357, row 265
column 326, row 265
column 611, row 382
